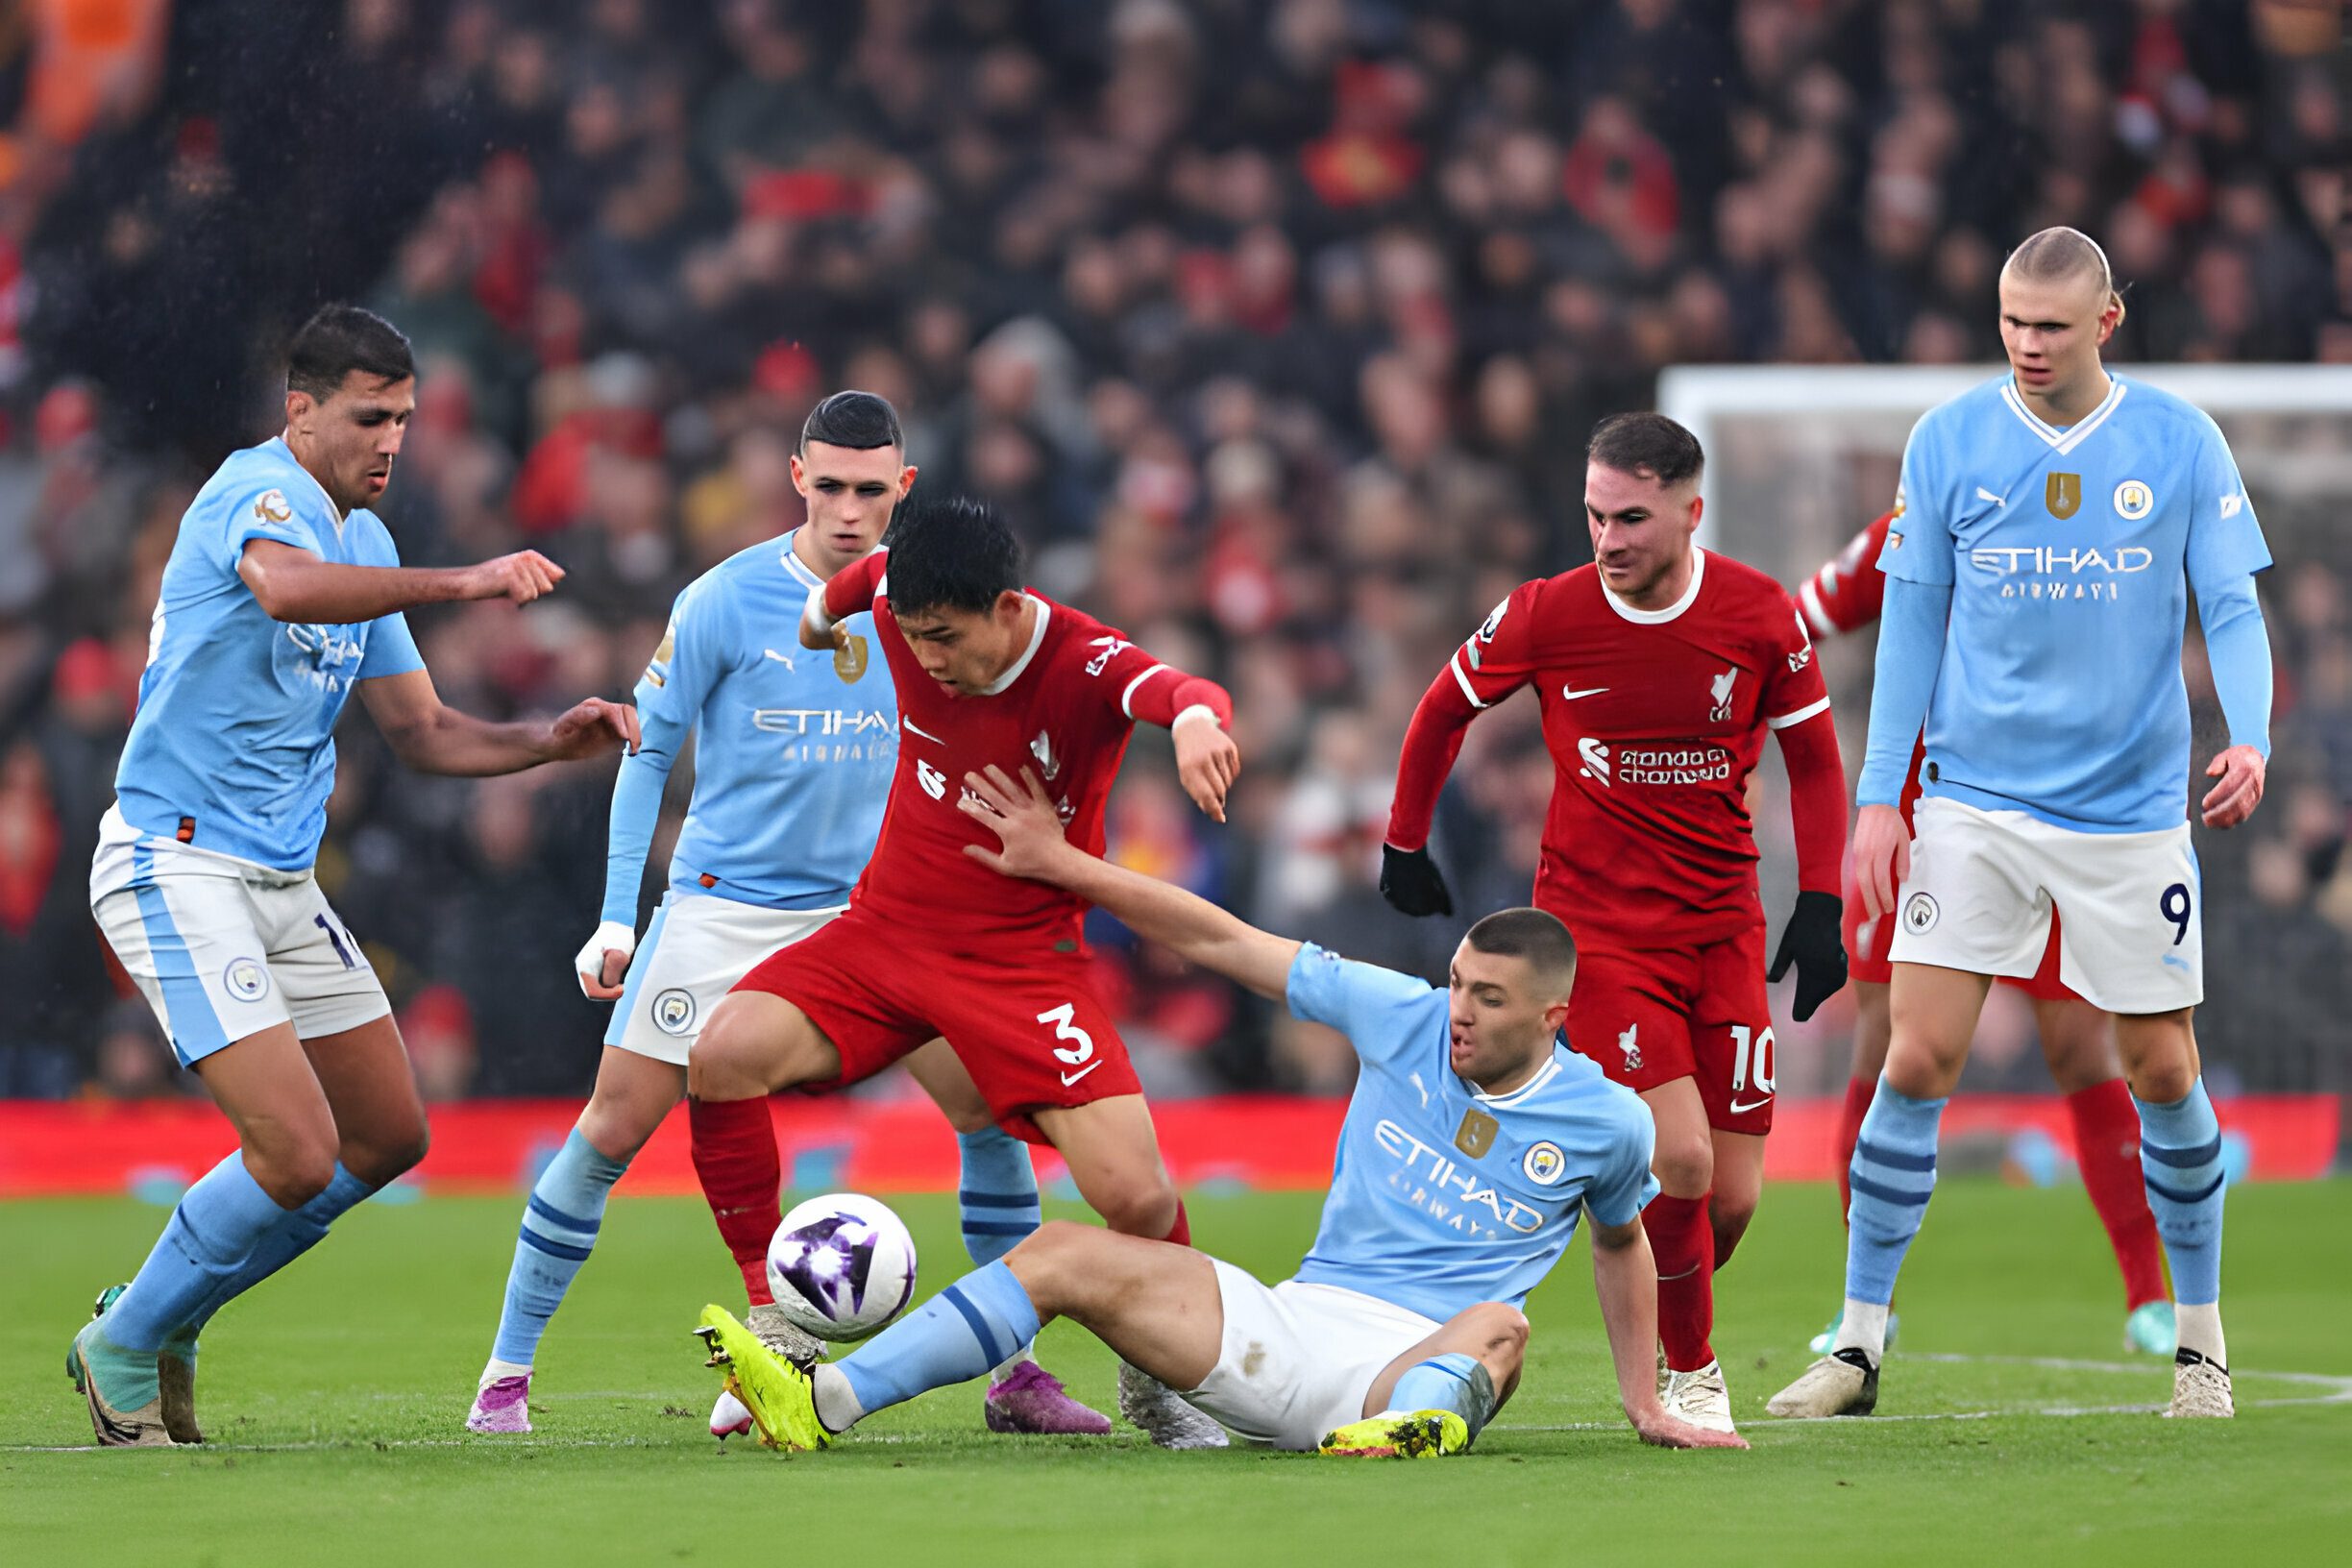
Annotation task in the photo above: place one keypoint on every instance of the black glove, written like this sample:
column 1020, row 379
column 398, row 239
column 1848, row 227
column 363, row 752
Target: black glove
column 1815, row 942
column 1411, row 882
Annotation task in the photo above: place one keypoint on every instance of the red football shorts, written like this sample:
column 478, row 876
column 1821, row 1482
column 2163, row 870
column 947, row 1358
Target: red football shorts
column 1868, row 943
column 1028, row 1027
column 1650, row 1015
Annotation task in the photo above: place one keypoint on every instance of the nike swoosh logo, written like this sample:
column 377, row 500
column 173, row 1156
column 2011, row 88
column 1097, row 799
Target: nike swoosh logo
column 1069, row 1078
column 1572, row 694
column 912, row 727
column 1982, row 494
column 1739, row 1109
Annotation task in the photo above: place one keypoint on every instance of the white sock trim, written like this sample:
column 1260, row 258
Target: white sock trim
column 495, row 1369
column 1011, row 1363
column 2200, row 1330
column 837, row 1407
column 1863, row 1328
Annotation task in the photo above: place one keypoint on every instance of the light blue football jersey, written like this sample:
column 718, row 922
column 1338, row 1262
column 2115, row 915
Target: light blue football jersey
column 1443, row 1196
column 2070, row 554
column 236, row 714
column 795, row 751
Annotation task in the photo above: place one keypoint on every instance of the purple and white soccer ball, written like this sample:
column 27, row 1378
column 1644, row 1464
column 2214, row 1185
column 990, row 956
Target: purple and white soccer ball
column 842, row 1265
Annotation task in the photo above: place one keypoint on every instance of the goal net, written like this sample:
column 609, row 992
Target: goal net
column 1800, row 458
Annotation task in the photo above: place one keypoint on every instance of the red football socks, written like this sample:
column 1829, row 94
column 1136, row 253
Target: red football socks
column 1858, row 1095
column 1682, row 1240
column 735, row 1159
column 2107, row 1149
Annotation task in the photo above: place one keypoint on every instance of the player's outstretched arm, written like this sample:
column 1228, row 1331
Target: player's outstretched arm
column 1624, row 1278
column 294, row 584
column 1023, row 818
column 434, row 738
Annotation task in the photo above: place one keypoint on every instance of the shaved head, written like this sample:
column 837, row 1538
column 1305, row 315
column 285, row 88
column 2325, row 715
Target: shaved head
column 2059, row 256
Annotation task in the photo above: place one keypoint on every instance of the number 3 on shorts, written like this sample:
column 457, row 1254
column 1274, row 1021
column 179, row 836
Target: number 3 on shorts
column 2176, row 906
column 1064, row 1019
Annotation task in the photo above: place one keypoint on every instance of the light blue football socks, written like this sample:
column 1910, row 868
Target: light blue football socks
column 560, row 1221
column 1892, row 1177
column 2180, row 1159
column 211, row 1234
column 1457, row 1381
column 974, row 1324
column 997, row 1195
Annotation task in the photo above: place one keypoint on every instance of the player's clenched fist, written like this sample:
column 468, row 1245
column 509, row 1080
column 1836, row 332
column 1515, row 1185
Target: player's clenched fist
column 1207, row 760
column 602, row 962
column 590, row 729
column 520, row 577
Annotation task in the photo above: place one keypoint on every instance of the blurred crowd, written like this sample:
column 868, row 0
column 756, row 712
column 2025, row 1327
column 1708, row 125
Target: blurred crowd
column 1275, row 325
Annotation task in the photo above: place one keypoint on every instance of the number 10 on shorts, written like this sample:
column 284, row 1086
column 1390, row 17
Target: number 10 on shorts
column 1080, row 1052
column 1751, row 1057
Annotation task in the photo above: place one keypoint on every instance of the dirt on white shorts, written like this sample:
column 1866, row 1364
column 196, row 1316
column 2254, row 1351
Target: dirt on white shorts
column 1983, row 883
column 695, row 949
column 1298, row 1360
column 223, row 948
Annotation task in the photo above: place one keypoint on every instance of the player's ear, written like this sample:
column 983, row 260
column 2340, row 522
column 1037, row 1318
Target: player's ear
column 906, row 479
column 799, row 477
column 297, row 406
column 1008, row 604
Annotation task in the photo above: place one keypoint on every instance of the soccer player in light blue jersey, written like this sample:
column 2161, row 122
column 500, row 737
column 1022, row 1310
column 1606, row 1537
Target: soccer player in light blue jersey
column 794, row 754
column 1473, row 1144
column 2051, row 527
column 282, row 597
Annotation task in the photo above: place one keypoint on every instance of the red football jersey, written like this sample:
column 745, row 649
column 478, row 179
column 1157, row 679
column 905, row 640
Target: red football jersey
column 1654, row 719
column 1847, row 593
column 1063, row 710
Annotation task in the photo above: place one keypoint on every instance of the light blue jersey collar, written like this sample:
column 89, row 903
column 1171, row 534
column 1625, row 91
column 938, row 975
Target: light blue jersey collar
column 2063, row 439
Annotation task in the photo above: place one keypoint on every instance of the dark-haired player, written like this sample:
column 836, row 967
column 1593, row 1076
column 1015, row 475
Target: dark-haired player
column 793, row 757
column 1472, row 1146
column 934, row 943
column 282, row 597
column 1659, row 670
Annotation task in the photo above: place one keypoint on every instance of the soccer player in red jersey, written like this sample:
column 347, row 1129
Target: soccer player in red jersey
column 935, row 942
column 2077, row 1039
column 1659, row 668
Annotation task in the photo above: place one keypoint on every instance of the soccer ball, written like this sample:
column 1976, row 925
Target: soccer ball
column 842, row 1265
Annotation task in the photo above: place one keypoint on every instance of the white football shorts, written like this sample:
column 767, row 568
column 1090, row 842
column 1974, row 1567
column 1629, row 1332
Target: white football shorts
column 1983, row 884
column 223, row 948
column 695, row 949
column 1299, row 1360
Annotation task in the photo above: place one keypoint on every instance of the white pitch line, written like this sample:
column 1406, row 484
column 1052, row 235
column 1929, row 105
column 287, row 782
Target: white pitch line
column 2338, row 1391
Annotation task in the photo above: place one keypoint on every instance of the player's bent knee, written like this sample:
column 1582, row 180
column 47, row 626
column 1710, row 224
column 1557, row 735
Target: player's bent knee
column 292, row 1168
column 1505, row 1327
column 386, row 1157
column 1685, row 1168
column 1144, row 1208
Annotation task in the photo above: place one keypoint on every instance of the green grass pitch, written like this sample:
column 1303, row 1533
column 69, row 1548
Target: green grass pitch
column 2013, row 1425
